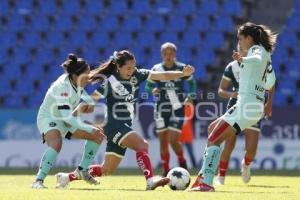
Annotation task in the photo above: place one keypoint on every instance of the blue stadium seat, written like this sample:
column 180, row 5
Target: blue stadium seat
column 117, row 7
column 164, row 7
column 13, row 101
column 297, row 99
column 92, row 56
column 48, row 7
column 87, row 23
column 223, row 23
column 55, row 39
column 63, row 23
column 31, row 39
column 71, row 7
column 8, row 39
column 177, row 23
column 232, row 7
column 24, row 87
column 200, row 23
column 21, row 56
column 109, row 23
column 132, row 23
column 192, row 39
column 123, row 40
column 78, row 39
column 168, row 37
column 279, row 99
column 287, row 87
column 11, row 71
column 23, row 6
column 40, row 23
column 5, row 8
column 209, row 7
column 141, row 7
column 44, row 56
column 100, row 39
column 146, row 39
column 293, row 23
column 4, row 87
column 155, row 24
column 288, row 39
column 214, row 39
column 186, row 7
column 280, row 56
column 16, row 22
column 206, row 56
column 200, row 71
column 94, row 7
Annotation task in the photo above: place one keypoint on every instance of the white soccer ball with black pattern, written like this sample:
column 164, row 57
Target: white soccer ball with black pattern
column 179, row 178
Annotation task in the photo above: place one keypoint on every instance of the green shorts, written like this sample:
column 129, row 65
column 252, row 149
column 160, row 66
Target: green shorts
column 115, row 135
column 172, row 120
column 244, row 114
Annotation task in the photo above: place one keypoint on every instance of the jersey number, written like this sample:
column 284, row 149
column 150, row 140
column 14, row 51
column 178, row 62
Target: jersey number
column 264, row 78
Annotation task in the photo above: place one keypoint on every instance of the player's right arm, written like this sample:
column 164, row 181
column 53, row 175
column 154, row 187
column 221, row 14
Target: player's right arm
column 224, row 84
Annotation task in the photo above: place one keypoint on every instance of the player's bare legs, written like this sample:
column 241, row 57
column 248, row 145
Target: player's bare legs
column 251, row 141
column 177, row 147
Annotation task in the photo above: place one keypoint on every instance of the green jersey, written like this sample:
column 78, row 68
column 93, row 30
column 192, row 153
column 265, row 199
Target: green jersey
column 171, row 92
column 121, row 96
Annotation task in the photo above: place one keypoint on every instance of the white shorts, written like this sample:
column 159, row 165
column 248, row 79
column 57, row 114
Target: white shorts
column 46, row 123
column 245, row 113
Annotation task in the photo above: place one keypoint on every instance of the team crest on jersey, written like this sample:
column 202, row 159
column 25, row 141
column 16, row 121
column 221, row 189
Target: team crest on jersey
column 133, row 80
column 169, row 85
column 64, row 94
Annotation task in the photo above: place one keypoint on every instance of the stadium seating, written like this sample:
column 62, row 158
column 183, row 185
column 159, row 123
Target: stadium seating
column 36, row 37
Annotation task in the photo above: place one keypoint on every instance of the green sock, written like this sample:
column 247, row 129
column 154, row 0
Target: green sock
column 210, row 164
column 47, row 162
column 90, row 151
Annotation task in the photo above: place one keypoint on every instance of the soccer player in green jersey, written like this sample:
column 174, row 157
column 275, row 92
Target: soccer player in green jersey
column 56, row 117
column 120, row 81
column 259, row 42
column 169, row 109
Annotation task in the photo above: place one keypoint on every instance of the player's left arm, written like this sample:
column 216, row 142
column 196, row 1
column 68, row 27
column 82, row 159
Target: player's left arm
column 171, row 75
column 270, row 86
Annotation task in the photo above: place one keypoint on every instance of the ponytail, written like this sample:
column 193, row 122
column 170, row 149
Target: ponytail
column 118, row 59
column 261, row 35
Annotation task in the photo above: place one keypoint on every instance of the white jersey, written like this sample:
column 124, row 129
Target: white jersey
column 62, row 93
column 254, row 70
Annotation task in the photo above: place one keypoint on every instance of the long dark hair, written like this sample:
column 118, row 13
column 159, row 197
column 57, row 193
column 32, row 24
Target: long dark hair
column 74, row 65
column 261, row 34
column 109, row 67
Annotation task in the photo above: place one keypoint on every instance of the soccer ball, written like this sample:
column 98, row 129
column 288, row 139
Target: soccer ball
column 179, row 178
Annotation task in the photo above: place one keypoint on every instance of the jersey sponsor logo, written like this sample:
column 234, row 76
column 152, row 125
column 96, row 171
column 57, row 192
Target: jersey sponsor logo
column 64, row 94
column 259, row 88
column 52, row 124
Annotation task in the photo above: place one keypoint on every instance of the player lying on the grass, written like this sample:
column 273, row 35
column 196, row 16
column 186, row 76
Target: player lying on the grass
column 120, row 86
column 259, row 42
column 169, row 108
column 231, row 75
column 55, row 117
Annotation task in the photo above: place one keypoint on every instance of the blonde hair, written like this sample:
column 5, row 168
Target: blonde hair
column 168, row 45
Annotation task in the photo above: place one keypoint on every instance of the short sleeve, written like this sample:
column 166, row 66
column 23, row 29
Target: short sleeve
column 255, row 50
column 228, row 74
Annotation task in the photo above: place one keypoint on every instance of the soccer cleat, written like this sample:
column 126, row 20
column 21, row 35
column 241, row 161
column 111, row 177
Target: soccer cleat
column 246, row 174
column 202, row 188
column 39, row 184
column 62, row 180
column 198, row 181
column 154, row 182
column 220, row 180
column 86, row 176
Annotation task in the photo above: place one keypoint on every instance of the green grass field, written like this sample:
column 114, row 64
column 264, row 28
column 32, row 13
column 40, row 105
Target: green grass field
column 15, row 184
